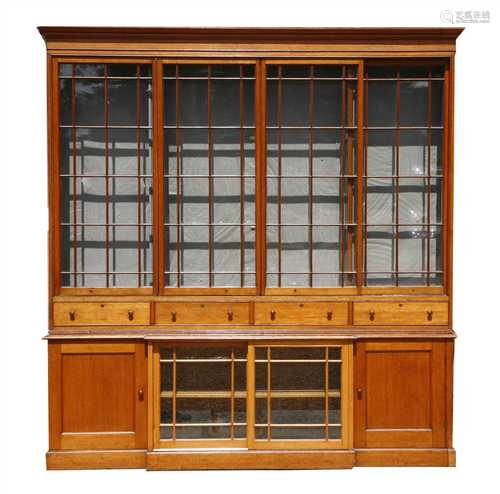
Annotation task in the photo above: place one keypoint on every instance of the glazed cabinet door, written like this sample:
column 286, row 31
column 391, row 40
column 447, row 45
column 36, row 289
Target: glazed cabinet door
column 258, row 396
column 402, row 394
column 98, row 395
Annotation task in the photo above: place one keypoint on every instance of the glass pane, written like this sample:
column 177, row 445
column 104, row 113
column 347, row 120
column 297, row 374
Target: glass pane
column 225, row 102
column 381, row 153
column 297, row 433
column 327, row 95
column 414, row 97
column 193, row 102
column 381, row 251
column 326, row 154
column 380, row 201
column 297, row 353
column 203, row 410
column 203, row 376
column 89, row 96
column 412, row 201
column 334, row 370
column 89, row 70
column 128, row 103
column 437, row 103
column 290, row 376
column 381, row 104
column 297, row 410
column 203, row 432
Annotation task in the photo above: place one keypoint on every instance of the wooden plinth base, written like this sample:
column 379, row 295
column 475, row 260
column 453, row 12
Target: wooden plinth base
column 248, row 460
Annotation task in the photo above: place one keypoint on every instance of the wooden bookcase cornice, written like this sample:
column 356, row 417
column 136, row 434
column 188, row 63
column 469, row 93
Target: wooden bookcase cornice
column 155, row 40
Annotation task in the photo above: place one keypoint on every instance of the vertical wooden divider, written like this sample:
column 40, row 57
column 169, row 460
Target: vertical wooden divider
column 251, row 395
column 158, row 195
column 260, row 179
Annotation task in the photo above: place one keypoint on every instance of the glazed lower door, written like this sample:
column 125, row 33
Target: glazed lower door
column 256, row 396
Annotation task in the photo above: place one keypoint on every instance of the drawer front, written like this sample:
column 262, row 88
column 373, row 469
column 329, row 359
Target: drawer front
column 318, row 313
column 400, row 313
column 203, row 313
column 94, row 313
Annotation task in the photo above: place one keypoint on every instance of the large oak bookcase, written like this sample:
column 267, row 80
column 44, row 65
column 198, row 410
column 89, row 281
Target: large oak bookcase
column 250, row 247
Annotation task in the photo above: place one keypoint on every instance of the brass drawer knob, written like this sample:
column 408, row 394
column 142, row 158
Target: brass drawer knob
column 329, row 315
column 429, row 315
column 372, row 315
column 140, row 394
column 130, row 314
column 230, row 315
column 72, row 315
column 273, row 315
column 173, row 315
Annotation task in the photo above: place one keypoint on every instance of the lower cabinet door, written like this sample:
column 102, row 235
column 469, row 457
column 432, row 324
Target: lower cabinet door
column 402, row 394
column 98, row 394
column 269, row 395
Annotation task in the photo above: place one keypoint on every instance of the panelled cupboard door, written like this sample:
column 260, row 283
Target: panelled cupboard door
column 97, row 395
column 402, row 394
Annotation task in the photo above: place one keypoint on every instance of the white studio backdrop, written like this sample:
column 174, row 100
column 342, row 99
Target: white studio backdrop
column 24, row 199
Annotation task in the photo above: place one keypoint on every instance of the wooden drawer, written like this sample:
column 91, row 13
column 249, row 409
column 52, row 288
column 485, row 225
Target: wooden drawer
column 319, row 313
column 95, row 313
column 400, row 313
column 203, row 313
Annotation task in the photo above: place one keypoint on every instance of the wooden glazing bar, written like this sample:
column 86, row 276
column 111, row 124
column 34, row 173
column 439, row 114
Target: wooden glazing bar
column 396, row 196
column 89, row 126
column 242, row 178
column 213, row 127
column 297, row 394
column 106, row 168
column 210, row 182
column 327, row 389
column 111, row 78
column 302, row 425
column 346, row 78
column 207, row 424
column 104, row 224
column 174, row 393
column 429, row 187
column 178, row 179
column 90, row 175
column 73, row 155
column 268, row 393
column 280, row 167
column 307, row 127
column 342, row 170
column 203, row 394
column 232, row 394
column 311, row 170
column 138, row 143
column 214, row 78
column 405, row 127
column 250, row 394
